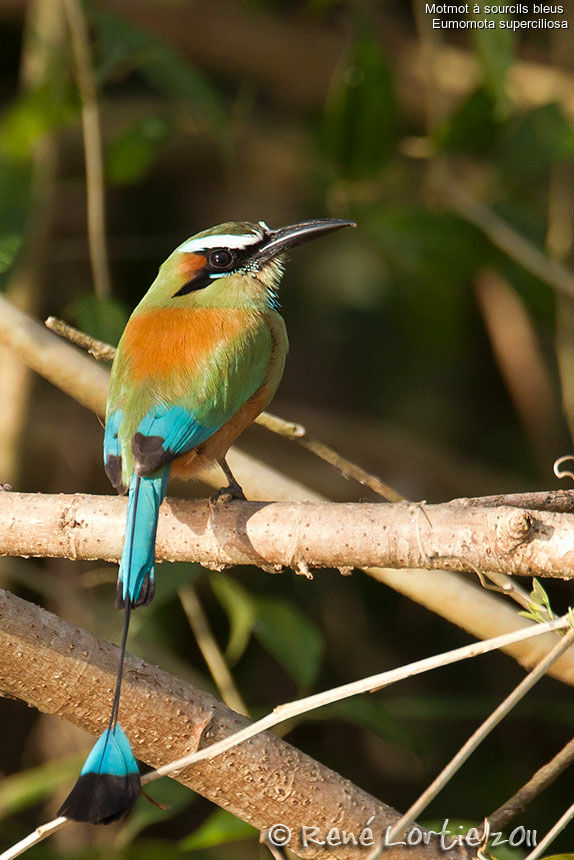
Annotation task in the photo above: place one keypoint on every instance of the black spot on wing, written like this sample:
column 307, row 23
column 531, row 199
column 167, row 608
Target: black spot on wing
column 149, row 453
column 113, row 467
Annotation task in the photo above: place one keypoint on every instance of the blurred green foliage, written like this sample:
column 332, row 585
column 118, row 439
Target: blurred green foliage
column 360, row 123
column 384, row 326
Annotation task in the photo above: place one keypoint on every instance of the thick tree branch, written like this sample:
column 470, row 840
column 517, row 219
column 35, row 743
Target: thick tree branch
column 265, row 781
column 301, row 535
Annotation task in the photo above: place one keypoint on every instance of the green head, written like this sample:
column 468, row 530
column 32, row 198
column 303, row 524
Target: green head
column 236, row 264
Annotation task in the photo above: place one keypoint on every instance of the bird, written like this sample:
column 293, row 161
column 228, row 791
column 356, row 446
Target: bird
column 200, row 357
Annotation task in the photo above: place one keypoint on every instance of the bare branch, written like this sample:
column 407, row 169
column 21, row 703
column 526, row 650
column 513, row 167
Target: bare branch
column 545, row 500
column 66, row 671
column 554, row 831
column 38, row 835
column 288, row 429
column 298, row 433
column 502, row 234
column 281, row 534
column 288, row 711
column 100, row 350
column 210, row 650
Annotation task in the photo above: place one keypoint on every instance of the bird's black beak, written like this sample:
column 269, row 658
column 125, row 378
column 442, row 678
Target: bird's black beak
column 284, row 238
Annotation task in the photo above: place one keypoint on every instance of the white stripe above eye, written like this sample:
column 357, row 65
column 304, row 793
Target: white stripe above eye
column 220, row 240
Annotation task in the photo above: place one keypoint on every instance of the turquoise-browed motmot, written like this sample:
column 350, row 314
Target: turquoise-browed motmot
column 201, row 356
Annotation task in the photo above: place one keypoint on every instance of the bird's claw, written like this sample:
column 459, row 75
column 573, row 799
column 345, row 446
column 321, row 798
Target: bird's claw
column 232, row 492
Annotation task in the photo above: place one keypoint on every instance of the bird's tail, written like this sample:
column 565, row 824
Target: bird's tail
column 136, row 577
column 109, row 782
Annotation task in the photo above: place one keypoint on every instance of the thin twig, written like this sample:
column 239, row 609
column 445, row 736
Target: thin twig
column 100, row 350
column 505, row 584
column 551, row 835
column 502, row 235
column 298, row 433
column 38, row 835
column 479, row 736
column 537, row 783
column 366, row 685
column 93, row 149
column 545, row 500
column 210, row 650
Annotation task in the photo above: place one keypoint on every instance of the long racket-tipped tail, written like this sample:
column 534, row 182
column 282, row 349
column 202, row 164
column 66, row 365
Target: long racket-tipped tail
column 109, row 782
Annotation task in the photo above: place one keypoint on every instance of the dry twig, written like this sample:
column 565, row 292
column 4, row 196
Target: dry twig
column 537, row 783
column 210, row 650
column 479, row 735
column 100, row 350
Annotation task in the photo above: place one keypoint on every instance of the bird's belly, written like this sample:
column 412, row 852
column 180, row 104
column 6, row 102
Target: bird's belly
column 216, row 447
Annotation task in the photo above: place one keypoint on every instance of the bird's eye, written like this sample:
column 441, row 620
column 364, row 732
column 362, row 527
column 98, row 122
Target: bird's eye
column 221, row 259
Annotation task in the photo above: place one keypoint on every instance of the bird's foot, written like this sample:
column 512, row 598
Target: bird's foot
column 232, row 492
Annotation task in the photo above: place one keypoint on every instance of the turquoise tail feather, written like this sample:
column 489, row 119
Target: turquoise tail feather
column 136, row 575
column 109, row 782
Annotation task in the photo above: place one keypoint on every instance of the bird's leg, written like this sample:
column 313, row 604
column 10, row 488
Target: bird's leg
column 232, row 490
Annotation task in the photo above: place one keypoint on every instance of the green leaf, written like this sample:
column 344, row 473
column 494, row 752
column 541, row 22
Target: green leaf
column 241, row 611
column 131, row 156
column 103, row 318
column 291, row 637
column 219, row 828
column 168, row 793
column 495, row 50
column 370, row 714
column 28, row 787
column 539, row 608
column 123, row 46
column 360, row 127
